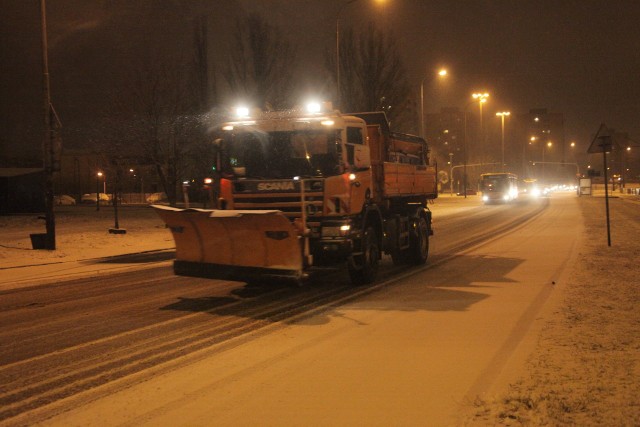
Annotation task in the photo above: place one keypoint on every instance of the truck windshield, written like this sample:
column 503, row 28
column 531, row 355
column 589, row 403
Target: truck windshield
column 281, row 155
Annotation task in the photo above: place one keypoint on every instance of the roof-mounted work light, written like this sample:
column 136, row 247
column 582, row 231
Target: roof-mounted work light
column 314, row 107
column 242, row 112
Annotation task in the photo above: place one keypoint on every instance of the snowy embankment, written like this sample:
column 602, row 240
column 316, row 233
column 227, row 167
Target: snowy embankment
column 82, row 233
column 586, row 365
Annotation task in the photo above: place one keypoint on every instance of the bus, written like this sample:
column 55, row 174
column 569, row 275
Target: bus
column 498, row 187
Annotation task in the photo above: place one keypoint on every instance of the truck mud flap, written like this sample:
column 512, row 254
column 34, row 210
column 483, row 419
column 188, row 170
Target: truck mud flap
column 233, row 244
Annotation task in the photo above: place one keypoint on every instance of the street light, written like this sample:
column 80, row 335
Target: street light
column 502, row 115
column 344, row 5
column 98, row 176
column 481, row 98
column 441, row 73
column 549, row 144
column 624, row 168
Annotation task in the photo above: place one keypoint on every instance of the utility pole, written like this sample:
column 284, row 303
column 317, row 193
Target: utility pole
column 47, row 143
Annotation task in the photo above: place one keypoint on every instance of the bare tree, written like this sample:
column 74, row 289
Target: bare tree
column 158, row 115
column 262, row 63
column 153, row 117
column 373, row 77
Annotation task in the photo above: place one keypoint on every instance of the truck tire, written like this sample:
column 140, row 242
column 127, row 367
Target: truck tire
column 363, row 270
column 418, row 242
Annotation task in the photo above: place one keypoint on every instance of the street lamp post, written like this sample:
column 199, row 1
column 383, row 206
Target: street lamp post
column 524, row 153
column 549, row 144
column 623, row 175
column 481, row 98
column 502, row 115
column 451, row 173
column 442, row 73
column 98, row 176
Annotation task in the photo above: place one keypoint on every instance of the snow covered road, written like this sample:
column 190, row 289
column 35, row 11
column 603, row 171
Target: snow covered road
column 414, row 352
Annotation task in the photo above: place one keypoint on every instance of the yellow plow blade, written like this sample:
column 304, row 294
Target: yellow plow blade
column 233, row 244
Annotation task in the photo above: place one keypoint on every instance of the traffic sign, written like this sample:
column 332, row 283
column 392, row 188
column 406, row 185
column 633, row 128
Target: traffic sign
column 604, row 141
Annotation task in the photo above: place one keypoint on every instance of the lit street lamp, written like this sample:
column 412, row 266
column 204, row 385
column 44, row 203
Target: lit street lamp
column 98, row 176
column 624, row 168
column 549, row 144
column 442, row 73
column 481, row 98
column 502, row 115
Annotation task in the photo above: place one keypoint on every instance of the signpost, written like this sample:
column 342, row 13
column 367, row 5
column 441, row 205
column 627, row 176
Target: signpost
column 604, row 143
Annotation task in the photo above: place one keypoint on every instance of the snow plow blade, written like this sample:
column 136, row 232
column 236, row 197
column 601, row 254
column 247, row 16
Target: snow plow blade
column 233, row 244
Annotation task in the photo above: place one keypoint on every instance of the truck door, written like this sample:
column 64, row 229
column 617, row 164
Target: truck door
column 358, row 155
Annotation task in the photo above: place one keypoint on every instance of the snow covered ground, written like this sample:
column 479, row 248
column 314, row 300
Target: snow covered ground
column 584, row 369
column 82, row 233
column 586, row 365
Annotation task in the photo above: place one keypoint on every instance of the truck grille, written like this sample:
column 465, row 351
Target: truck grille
column 289, row 204
column 246, row 196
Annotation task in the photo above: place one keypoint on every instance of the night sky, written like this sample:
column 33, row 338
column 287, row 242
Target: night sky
column 579, row 58
column 576, row 57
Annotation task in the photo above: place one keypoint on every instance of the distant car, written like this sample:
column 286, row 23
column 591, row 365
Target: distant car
column 156, row 197
column 64, row 200
column 529, row 189
column 91, row 198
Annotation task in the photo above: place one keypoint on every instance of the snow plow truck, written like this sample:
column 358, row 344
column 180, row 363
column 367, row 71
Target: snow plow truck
column 298, row 190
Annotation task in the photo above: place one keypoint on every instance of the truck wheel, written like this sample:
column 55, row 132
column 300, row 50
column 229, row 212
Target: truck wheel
column 363, row 271
column 418, row 242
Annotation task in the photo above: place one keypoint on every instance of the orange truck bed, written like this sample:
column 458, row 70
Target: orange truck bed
column 400, row 166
